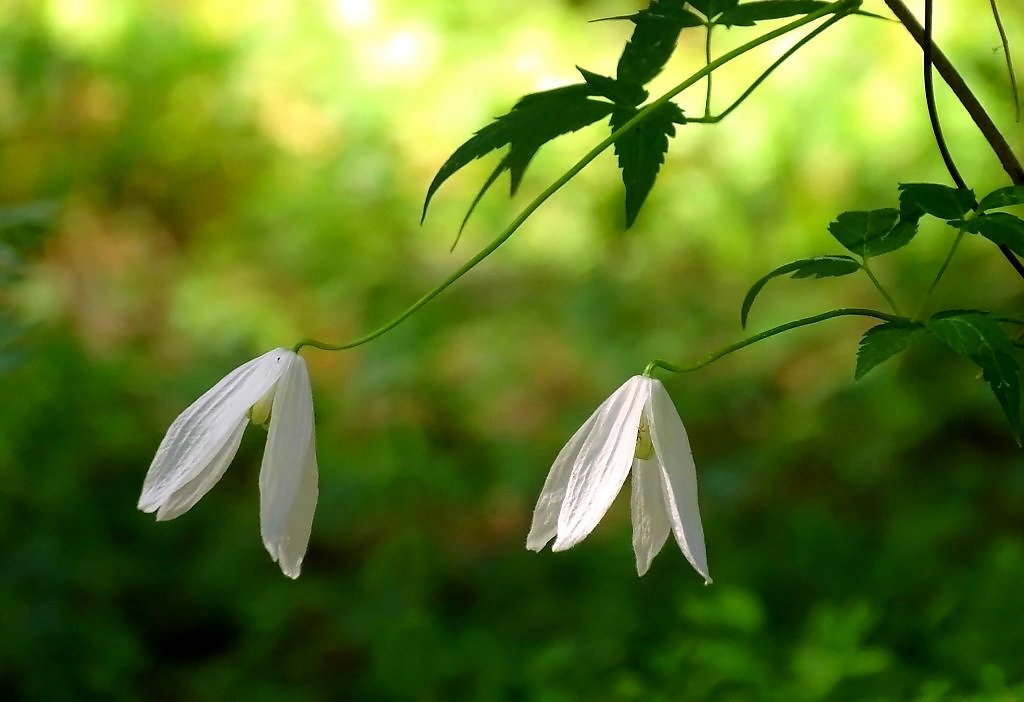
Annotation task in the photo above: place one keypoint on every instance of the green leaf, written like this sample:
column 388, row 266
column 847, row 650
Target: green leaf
column 535, row 120
column 1003, row 197
column 747, row 14
column 978, row 337
column 873, row 232
column 938, row 200
column 999, row 227
column 615, row 90
column 641, row 151
column 884, row 341
column 653, row 41
column 818, row 267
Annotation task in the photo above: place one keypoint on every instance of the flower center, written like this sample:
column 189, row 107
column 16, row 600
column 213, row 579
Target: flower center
column 644, row 445
column 259, row 414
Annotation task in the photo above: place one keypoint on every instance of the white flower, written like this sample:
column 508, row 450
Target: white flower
column 637, row 427
column 273, row 391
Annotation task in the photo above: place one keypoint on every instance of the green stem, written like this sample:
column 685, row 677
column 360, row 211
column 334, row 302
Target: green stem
column 836, row 7
column 711, row 358
column 713, row 119
column 878, row 286
column 942, row 271
column 1009, row 59
column 707, row 61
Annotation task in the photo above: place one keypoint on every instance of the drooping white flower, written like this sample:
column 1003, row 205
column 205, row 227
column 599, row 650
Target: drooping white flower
column 637, row 429
column 272, row 391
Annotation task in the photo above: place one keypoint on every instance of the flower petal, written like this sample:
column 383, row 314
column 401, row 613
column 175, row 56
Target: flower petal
column 545, row 514
column 288, row 476
column 678, row 477
column 650, row 520
column 202, row 440
column 187, row 494
column 602, row 464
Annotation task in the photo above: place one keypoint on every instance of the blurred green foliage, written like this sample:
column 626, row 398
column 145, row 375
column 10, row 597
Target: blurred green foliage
column 226, row 178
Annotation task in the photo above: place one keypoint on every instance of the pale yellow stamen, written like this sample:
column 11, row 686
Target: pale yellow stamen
column 259, row 414
column 644, row 445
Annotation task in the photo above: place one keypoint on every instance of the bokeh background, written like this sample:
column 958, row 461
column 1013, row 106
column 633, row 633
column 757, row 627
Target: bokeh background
column 185, row 184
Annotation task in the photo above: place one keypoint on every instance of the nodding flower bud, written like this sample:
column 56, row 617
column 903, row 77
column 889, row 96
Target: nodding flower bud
column 259, row 413
column 644, row 445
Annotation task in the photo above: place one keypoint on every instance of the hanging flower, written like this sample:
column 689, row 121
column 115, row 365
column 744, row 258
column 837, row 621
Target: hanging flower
column 272, row 391
column 636, row 428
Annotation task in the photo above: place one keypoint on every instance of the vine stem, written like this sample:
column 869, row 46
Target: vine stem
column 929, row 98
column 767, row 334
column 942, row 271
column 841, row 6
column 878, row 285
column 996, row 140
column 707, row 60
column 1009, row 59
column 708, row 118
column 956, row 83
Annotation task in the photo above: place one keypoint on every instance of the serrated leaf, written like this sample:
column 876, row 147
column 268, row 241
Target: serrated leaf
column 818, row 267
column 937, row 200
column 999, row 227
column 535, row 120
column 615, row 90
column 641, row 151
column 653, row 40
column 873, row 232
column 749, row 13
column 884, row 341
column 1003, row 197
column 978, row 337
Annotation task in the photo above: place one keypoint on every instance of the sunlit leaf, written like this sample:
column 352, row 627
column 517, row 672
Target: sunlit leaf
column 618, row 91
column 535, row 120
column 749, row 13
column 653, row 40
column 884, row 341
column 978, row 337
column 818, row 267
column 937, row 200
column 641, row 151
column 1003, row 197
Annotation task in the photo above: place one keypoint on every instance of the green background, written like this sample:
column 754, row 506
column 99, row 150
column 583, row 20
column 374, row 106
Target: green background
column 188, row 184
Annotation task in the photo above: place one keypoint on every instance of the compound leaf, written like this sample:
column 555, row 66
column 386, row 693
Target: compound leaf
column 818, row 267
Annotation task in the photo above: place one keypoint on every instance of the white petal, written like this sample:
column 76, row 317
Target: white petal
column 545, row 514
column 288, row 476
column 678, row 477
column 203, row 439
column 650, row 520
column 187, row 494
column 602, row 464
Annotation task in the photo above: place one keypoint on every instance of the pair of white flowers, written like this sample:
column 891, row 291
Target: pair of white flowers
column 636, row 430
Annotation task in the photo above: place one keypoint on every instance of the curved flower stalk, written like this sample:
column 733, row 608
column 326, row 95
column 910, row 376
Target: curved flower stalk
column 272, row 391
column 635, row 430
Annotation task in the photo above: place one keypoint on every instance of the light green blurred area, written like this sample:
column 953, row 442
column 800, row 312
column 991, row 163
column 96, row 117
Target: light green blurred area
column 226, row 178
